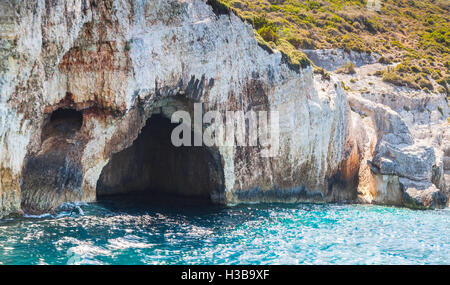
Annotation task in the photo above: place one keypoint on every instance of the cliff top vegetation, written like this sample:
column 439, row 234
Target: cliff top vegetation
column 413, row 33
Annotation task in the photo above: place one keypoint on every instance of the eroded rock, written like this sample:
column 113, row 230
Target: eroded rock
column 118, row 63
column 403, row 150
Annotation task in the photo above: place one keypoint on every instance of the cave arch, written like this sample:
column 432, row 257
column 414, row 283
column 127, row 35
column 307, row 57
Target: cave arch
column 153, row 166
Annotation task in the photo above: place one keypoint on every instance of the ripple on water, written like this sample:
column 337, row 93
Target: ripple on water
column 110, row 233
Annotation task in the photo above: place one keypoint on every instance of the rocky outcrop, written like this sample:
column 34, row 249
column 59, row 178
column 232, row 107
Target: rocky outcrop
column 332, row 59
column 404, row 148
column 80, row 79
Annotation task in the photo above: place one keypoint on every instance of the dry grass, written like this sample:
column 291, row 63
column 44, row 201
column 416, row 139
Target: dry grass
column 413, row 32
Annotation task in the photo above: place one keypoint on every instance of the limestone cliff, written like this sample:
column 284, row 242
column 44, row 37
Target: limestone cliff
column 80, row 79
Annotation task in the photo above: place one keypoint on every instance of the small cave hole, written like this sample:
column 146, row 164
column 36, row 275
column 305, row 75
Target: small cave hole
column 62, row 122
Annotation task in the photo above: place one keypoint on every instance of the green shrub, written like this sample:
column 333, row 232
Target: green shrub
column 424, row 83
column 413, row 33
column 384, row 60
column 378, row 73
column 294, row 57
column 300, row 42
column 268, row 33
column 325, row 74
column 347, row 68
column 345, row 87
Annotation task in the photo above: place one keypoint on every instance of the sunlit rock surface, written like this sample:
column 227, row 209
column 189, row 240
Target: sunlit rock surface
column 407, row 145
column 117, row 62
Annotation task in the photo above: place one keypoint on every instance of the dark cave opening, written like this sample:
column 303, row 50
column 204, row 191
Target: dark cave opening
column 153, row 167
column 62, row 122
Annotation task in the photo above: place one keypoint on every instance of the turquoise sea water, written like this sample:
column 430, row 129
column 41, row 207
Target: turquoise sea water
column 136, row 232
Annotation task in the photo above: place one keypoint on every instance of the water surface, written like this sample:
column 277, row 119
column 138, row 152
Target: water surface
column 122, row 231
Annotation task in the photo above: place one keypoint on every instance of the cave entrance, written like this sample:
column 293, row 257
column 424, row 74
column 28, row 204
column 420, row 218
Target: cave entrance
column 53, row 174
column 153, row 167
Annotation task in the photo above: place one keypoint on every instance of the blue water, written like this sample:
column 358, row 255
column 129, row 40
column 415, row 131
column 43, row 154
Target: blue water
column 130, row 232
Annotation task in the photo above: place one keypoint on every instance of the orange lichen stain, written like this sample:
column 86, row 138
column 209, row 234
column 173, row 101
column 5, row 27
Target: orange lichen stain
column 99, row 57
column 350, row 165
column 10, row 187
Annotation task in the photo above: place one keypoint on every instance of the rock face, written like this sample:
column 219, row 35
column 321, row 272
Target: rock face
column 80, row 80
column 405, row 148
column 332, row 59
